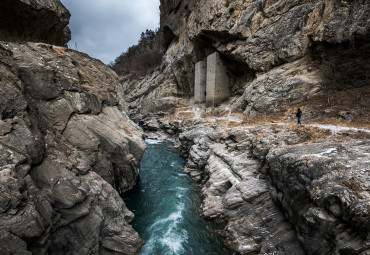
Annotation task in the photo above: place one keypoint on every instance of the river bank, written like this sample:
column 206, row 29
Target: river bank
column 274, row 185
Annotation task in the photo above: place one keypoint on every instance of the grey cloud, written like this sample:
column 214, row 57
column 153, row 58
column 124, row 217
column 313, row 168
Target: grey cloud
column 105, row 28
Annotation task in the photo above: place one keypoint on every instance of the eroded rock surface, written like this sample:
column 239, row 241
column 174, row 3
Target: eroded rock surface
column 276, row 52
column 35, row 21
column 159, row 92
column 324, row 189
column 279, row 193
column 67, row 147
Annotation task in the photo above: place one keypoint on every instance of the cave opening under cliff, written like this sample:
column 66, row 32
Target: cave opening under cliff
column 347, row 65
column 167, row 37
column 344, row 67
column 239, row 73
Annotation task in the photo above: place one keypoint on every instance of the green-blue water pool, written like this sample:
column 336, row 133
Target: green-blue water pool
column 165, row 204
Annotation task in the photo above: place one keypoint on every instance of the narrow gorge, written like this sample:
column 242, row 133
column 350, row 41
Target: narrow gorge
column 230, row 78
column 166, row 206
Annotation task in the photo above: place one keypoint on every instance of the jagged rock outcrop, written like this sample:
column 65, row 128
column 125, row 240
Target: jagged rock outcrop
column 66, row 143
column 324, row 191
column 34, row 21
column 264, row 34
column 281, row 193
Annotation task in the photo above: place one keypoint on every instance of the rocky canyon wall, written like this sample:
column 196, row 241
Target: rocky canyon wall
column 277, row 53
column 278, row 188
column 280, row 191
column 67, row 147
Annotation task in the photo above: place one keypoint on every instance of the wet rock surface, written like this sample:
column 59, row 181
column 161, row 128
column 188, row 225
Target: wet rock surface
column 67, row 150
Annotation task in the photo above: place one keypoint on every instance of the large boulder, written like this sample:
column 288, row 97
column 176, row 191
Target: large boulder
column 34, row 21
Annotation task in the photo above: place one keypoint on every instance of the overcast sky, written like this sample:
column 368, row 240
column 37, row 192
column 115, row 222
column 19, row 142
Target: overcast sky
column 105, row 28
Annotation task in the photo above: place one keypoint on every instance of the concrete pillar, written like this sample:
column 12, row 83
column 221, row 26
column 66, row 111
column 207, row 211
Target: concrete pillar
column 217, row 81
column 200, row 82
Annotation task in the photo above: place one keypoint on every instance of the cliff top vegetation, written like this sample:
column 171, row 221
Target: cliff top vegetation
column 140, row 59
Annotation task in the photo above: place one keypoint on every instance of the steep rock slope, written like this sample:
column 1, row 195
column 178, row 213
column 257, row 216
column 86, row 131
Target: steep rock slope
column 35, row 21
column 67, row 148
column 65, row 142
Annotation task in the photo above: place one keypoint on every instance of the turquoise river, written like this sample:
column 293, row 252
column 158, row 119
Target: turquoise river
column 165, row 204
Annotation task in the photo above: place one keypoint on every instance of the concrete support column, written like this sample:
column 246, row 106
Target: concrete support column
column 200, row 82
column 217, row 81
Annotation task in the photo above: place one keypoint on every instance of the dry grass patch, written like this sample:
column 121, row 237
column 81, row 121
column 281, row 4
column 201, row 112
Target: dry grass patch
column 183, row 109
column 232, row 124
column 86, row 83
column 265, row 119
column 85, row 86
column 127, row 131
column 214, row 113
column 354, row 187
column 80, row 73
column 224, row 123
column 185, row 115
column 360, row 135
column 348, row 108
column 312, row 133
column 60, row 51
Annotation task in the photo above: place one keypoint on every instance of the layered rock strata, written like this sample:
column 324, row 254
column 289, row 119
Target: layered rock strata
column 279, row 192
column 66, row 143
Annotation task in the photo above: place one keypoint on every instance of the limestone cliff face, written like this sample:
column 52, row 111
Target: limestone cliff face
column 65, row 142
column 67, row 147
column 35, row 21
column 275, row 51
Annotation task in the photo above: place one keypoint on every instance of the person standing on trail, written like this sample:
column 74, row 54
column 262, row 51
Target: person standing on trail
column 299, row 116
